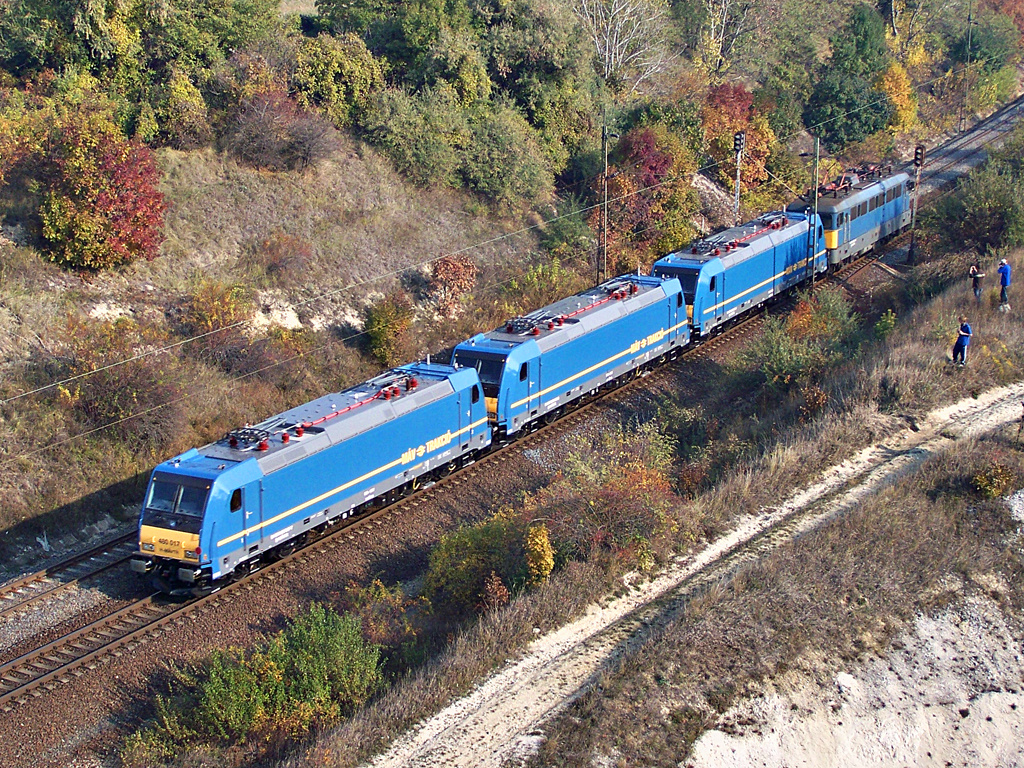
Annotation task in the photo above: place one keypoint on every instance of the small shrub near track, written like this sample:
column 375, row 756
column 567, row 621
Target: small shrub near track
column 311, row 674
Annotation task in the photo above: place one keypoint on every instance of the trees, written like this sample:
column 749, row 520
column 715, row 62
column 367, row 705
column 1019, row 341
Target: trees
column 627, row 38
column 337, row 76
column 101, row 207
column 845, row 106
column 729, row 109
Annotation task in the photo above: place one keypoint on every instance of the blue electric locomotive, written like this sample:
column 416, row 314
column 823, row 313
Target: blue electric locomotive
column 534, row 366
column 216, row 511
column 860, row 209
column 730, row 272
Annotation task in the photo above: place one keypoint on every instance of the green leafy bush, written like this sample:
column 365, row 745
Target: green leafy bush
column 885, row 325
column 463, row 561
column 316, row 671
column 422, row 134
column 986, row 210
column 386, row 324
column 337, row 76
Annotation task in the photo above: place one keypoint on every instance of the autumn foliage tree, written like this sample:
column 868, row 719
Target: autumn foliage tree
column 730, row 109
column 101, row 207
column 650, row 201
column 450, row 278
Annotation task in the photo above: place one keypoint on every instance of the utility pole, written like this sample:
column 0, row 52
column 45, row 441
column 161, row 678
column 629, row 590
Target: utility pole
column 919, row 152
column 814, row 223
column 964, row 108
column 739, row 141
column 602, row 260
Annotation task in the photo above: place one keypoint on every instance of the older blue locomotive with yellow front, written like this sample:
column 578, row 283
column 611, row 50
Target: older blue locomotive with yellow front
column 860, row 209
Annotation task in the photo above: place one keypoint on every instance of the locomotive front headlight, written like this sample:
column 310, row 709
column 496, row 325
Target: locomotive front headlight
column 148, row 547
column 191, row 554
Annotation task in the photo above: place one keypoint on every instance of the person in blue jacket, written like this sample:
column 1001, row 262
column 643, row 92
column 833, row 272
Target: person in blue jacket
column 1004, row 283
column 963, row 340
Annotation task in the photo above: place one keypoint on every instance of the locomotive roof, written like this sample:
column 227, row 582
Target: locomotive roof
column 857, row 187
column 571, row 317
column 738, row 243
column 336, row 417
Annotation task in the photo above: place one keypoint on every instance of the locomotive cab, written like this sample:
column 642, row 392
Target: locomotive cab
column 191, row 500
column 702, row 284
column 508, row 372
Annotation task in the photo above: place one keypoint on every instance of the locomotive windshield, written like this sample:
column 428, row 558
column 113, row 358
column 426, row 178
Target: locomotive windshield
column 687, row 278
column 489, row 368
column 175, row 505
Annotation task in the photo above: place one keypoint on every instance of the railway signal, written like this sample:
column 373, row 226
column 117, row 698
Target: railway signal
column 918, row 162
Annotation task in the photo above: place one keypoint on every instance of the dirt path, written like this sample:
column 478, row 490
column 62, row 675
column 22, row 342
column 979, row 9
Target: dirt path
column 500, row 720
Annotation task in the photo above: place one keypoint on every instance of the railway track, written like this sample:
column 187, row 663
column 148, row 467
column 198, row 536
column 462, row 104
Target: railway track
column 28, row 590
column 950, row 160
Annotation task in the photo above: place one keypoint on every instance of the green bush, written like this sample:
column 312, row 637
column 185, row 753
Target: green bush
column 986, row 210
column 422, row 134
column 386, row 324
column 885, row 325
column 314, row 672
column 461, row 563
column 504, row 161
column 337, row 76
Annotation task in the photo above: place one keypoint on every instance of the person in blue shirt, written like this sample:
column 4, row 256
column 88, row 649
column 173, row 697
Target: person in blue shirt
column 963, row 340
column 1004, row 283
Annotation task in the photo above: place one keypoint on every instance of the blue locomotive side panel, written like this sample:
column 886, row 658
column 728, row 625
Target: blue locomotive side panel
column 742, row 267
column 536, row 364
column 314, row 464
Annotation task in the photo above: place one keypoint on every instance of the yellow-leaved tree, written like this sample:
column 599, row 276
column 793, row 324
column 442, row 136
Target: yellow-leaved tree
column 895, row 83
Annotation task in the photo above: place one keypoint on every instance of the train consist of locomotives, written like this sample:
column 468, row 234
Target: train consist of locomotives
column 219, row 511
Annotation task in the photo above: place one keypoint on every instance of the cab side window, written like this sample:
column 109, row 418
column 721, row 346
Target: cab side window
column 524, row 371
column 236, row 500
column 476, row 393
column 711, row 286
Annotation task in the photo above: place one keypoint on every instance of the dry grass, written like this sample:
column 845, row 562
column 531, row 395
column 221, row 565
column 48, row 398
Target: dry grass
column 836, row 593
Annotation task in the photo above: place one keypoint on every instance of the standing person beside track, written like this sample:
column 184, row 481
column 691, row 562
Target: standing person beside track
column 963, row 340
column 1004, row 283
column 976, row 276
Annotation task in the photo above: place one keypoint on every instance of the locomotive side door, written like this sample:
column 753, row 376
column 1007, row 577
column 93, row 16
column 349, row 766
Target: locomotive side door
column 716, row 289
column 251, row 516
